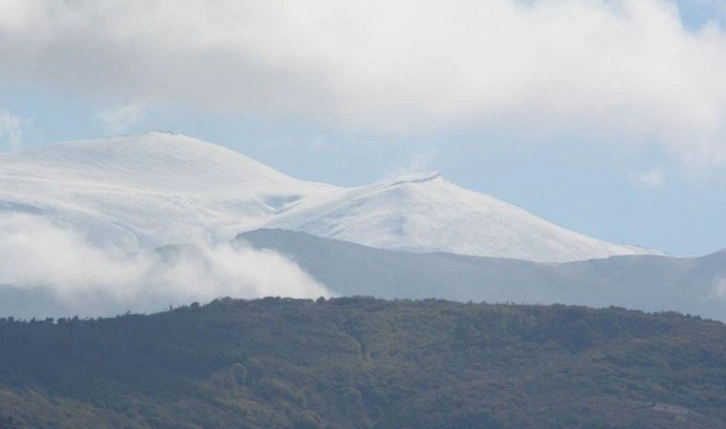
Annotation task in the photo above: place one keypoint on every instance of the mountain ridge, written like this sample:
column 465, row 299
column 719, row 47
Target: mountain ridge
column 644, row 282
column 156, row 189
column 694, row 286
column 426, row 212
column 348, row 363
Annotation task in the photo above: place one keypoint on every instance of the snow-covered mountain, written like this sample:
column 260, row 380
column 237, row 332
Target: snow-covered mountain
column 149, row 191
column 425, row 212
column 137, row 193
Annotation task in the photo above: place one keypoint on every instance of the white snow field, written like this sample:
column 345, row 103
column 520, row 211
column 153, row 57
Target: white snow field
column 139, row 193
column 427, row 213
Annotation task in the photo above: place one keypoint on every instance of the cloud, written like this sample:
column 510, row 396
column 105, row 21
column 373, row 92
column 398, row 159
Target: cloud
column 719, row 287
column 90, row 280
column 418, row 161
column 120, row 119
column 11, row 130
column 628, row 69
column 653, row 178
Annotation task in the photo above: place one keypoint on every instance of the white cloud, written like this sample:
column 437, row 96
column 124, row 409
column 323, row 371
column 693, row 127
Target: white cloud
column 719, row 287
column 120, row 119
column 11, row 130
column 653, row 178
column 627, row 69
column 418, row 161
column 91, row 280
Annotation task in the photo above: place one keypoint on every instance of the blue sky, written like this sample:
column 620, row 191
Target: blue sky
column 606, row 117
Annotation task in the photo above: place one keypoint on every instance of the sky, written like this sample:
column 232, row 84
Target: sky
column 607, row 117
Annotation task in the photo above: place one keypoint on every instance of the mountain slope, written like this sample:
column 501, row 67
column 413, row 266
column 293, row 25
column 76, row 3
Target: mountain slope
column 144, row 192
column 137, row 193
column 362, row 363
column 645, row 282
column 427, row 213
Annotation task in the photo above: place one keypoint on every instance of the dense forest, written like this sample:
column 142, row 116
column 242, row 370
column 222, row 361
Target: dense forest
column 365, row 363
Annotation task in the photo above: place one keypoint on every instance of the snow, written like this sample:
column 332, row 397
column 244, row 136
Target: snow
column 427, row 213
column 136, row 193
column 144, row 192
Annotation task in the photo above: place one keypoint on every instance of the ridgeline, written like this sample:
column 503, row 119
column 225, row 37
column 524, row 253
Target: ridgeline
column 365, row 363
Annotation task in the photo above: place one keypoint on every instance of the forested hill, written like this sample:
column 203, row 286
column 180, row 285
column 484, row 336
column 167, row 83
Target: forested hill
column 365, row 363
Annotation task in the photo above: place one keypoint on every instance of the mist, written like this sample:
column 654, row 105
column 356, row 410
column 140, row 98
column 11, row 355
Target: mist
column 719, row 287
column 49, row 270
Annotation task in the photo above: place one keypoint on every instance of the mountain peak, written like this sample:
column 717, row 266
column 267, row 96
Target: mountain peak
column 423, row 212
column 151, row 161
column 167, row 145
column 160, row 188
column 420, row 177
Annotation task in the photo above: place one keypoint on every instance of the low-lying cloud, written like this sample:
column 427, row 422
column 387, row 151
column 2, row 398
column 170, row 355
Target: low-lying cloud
column 625, row 70
column 39, row 257
column 719, row 287
column 121, row 119
column 11, row 131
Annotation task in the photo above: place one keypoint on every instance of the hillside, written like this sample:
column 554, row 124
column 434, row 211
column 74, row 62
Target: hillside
column 274, row 262
column 645, row 282
column 427, row 213
column 365, row 363
column 138, row 193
